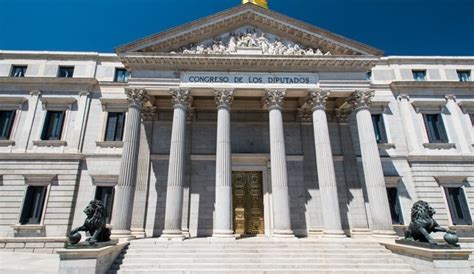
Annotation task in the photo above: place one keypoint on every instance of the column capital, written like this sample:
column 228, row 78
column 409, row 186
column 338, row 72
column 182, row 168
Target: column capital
column 136, row 96
column 224, row 98
column 274, row 98
column 343, row 114
column 403, row 97
column 317, row 98
column 450, row 97
column 148, row 113
column 35, row 92
column 361, row 99
column 84, row 93
column 305, row 115
column 181, row 98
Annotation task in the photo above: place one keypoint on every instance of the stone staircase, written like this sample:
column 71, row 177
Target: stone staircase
column 258, row 255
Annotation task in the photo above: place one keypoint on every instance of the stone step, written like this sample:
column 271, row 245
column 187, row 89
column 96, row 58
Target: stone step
column 260, row 255
column 228, row 271
column 249, row 250
column 267, row 266
column 256, row 260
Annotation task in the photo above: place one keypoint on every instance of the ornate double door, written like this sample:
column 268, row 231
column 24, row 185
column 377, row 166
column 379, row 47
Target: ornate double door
column 247, row 192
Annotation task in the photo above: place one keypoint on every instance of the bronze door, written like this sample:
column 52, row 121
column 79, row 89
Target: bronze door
column 247, row 191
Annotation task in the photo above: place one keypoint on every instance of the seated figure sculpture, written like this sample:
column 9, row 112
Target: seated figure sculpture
column 95, row 225
column 422, row 225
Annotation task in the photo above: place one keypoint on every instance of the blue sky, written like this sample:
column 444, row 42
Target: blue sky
column 398, row 27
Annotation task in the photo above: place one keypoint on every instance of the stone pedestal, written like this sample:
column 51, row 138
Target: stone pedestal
column 325, row 165
column 174, row 192
column 280, row 195
column 89, row 260
column 125, row 189
column 373, row 171
column 223, row 206
column 439, row 261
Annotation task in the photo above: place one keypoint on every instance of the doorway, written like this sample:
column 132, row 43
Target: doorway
column 248, row 211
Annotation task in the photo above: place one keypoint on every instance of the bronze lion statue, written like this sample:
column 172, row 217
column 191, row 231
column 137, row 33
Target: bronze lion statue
column 422, row 223
column 94, row 225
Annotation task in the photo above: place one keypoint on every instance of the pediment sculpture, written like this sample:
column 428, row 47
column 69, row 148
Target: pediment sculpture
column 250, row 39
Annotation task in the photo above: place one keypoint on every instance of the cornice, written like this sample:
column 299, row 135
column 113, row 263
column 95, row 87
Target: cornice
column 243, row 15
column 247, row 63
column 48, row 80
column 407, row 85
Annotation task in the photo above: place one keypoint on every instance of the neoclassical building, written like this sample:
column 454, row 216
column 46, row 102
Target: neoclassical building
column 246, row 122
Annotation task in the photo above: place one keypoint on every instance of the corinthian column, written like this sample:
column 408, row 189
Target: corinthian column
column 281, row 201
column 373, row 171
column 325, row 165
column 125, row 190
column 174, row 193
column 223, row 205
column 143, row 172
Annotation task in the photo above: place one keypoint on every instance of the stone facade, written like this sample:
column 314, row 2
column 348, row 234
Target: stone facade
column 309, row 133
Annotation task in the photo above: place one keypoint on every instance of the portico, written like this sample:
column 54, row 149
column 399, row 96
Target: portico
column 249, row 88
column 273, row 103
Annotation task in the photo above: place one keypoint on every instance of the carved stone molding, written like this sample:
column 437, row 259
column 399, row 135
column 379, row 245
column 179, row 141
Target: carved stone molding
column 224, row 98
column 343, row 114
column 317, row 99
column 305, row 114
column 274, row 98
column 403, row 97
column 361, row 98
column 137, row 96
column 35, row 92
column 148, row 113
column 252, row 39
column 181, row 98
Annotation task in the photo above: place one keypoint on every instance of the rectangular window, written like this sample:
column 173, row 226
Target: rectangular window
column 379, row 128
column 458, row 206
column 6, row 124
column 65, row 72
column 419, row 75
column 33, row 205
column 435, row 128
column 53, row 125
column 395, row 209
column 115, row 126
column 106, row 195
column 121, row 75
column 368, row 76
column 464, row 75
column 18, row 71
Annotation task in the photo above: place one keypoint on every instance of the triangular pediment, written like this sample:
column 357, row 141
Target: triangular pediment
column 248, row 29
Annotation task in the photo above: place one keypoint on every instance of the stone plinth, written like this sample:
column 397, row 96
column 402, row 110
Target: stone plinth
column 428, row 260
column 88, row 260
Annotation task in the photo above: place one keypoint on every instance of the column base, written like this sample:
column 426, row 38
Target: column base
column 361, row 233
column 122, row 235
column 172, row 235
column 138, row 233
column 385, row 234
column 186, row 233
column 283, row 234
column 334, row 234
column 315, row 233
column 223, row 234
